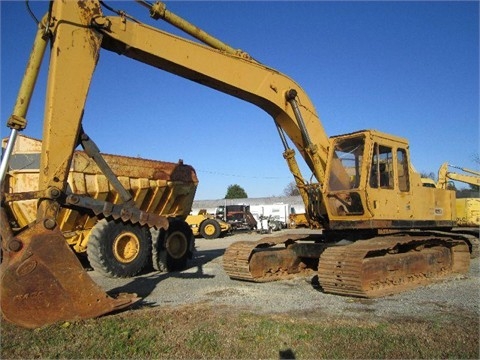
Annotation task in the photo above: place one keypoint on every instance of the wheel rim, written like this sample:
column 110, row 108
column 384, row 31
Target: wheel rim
column 176, row 245
column 209, row 229
column 126, row 247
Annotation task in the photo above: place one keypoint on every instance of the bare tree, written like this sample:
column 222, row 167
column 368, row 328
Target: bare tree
column 476, row 158
column 291, row 189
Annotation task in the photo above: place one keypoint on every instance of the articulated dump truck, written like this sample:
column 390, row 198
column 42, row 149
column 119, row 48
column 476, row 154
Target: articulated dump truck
column 114, row 248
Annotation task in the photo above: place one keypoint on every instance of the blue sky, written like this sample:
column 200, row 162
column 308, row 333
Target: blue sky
column 406, row 68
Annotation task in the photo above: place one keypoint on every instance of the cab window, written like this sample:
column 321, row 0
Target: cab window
column 381, row 171
column 402, row 166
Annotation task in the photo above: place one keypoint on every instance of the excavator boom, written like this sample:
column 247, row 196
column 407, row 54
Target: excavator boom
column 36, row 259
column 468, row 176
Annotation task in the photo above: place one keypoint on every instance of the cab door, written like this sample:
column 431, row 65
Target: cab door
column 388, row 186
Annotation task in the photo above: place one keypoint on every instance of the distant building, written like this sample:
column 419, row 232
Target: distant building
column 294, row 202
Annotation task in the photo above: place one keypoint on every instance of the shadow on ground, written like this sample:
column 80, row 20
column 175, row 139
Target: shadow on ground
column 144, row 284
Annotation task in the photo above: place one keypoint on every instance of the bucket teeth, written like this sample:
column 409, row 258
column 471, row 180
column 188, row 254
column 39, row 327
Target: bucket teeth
column 44, row 283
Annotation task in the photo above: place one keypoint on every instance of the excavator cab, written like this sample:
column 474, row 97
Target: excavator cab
column 367, row 170
column 370, row 184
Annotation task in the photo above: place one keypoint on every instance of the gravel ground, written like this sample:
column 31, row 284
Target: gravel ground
column 206, row 282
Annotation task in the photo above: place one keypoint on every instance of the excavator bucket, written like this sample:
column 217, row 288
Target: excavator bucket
column 43, row 283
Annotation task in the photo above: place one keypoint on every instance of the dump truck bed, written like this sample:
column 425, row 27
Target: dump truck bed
column 162, row 188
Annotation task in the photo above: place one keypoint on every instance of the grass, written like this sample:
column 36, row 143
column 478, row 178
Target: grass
column 203, row 332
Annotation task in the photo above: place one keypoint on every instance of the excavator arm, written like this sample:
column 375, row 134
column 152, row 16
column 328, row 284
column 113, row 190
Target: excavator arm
column 468, row 176
column 37, row 266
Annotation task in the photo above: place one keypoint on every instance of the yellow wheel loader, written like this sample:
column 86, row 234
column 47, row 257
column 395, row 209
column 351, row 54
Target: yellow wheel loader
column 298, row 221
column 383, row 232
column 207, row 226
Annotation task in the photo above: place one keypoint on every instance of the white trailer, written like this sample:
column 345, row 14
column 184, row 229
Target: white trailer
column 277, row 214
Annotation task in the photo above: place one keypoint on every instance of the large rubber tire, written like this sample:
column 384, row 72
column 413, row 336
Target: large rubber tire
column 171, row 249
column 210, row 229
column 117, row 249
column 159, row 253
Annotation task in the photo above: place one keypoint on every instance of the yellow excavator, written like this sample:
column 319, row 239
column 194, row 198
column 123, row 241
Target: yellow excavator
column 467, row 176
column 383, row 231
column 467, row 209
